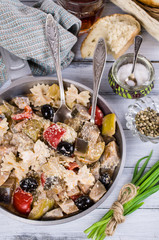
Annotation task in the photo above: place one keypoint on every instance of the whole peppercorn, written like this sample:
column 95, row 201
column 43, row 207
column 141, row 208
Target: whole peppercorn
column 147, row 122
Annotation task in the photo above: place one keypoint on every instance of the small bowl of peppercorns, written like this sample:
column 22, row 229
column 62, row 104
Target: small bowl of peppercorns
column 142, row 119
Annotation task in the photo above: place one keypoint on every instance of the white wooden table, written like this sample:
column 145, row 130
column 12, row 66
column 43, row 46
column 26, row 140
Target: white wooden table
column 144, row 223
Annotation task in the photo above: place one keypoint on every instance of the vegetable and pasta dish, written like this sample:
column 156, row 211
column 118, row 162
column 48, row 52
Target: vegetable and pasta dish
column 44, row 172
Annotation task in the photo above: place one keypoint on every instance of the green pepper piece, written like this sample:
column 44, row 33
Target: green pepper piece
column 40, row 208
column 33, row 129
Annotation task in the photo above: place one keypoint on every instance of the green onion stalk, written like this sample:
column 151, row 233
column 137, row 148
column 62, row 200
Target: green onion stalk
column 147, row 184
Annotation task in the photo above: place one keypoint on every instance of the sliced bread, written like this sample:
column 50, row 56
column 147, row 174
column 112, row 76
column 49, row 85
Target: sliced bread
column 118, row 30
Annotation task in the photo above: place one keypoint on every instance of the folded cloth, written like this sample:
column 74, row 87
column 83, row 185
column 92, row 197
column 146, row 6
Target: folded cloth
column 22, row 32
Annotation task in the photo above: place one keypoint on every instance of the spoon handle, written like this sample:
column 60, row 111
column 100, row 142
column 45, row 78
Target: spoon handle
column 99, row 61
column 53, row 41
column 138, row 41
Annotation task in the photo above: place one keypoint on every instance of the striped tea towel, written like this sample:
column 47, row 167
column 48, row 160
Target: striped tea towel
column 22, row 32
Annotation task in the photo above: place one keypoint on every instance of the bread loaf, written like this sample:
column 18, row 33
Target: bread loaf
column 118, row 30
column 152, row 3
column 148, row 22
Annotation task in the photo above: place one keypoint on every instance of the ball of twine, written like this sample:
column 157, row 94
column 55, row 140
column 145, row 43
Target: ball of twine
column 127, row 192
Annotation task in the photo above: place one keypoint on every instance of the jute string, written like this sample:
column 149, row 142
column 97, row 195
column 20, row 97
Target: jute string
column 127, row 192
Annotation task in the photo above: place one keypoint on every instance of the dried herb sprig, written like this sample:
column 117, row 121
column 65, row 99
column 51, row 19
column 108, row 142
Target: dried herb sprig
column 146, row 184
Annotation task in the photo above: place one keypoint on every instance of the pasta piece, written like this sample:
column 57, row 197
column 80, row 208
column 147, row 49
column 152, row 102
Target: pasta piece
column 53, row 168
column 22, row 141
column 85, row 176
column 9, row 162
column 72, row 97
column 83, row 98
column 39, row 95
column 71, row 179
column 28, row 156
column 41, row 151
column 37, row 157
column 3, row 127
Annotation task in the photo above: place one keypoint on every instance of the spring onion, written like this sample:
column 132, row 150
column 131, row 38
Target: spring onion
column 147, row 185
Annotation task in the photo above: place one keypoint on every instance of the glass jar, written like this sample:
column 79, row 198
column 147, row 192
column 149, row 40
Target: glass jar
column 125, row 90
column 88, row 11
column 141, row 105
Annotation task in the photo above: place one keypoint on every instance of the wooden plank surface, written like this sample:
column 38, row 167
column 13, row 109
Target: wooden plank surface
column 142, row 225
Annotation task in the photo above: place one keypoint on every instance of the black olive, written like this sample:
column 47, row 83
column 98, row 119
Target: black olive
column 29, row 184
column 47, row 111
column 65, row 148
column 83, row 202
column 106, row 180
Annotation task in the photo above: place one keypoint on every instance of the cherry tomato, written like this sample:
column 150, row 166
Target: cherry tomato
column 43, row 180
column 73, row 165
column 27, row 114
column 22, row 201
column 98, row 116
column 53, row 135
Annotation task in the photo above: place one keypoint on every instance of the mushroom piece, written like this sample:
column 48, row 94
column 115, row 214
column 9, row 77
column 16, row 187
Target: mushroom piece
column 68, row 206
column 80, row 112
column 53, row 192
column 89, row 132
column 75, row 123
column 54, row 214
column 97, row 191
column 51, row 195
column 95, row 170
column 74, row 191
column 111, row 157
column 84, row 188
column 63, row 196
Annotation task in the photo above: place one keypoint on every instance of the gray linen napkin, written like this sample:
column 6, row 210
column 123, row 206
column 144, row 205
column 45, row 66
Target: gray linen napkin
column 22, row 32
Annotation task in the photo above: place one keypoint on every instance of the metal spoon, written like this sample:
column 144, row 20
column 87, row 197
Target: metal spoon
column 131, row 80
column 53, row 39
column 99, row 61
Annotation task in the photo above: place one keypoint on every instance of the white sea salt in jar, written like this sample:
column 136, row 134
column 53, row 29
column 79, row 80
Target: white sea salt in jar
column 121, row 69
column 141, row 73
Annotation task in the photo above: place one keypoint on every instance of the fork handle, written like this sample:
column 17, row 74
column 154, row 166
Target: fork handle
column 99, row 61
column 53, row 40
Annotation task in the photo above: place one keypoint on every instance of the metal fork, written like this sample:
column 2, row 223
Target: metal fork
column 99, row 62
column 53, row 39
